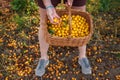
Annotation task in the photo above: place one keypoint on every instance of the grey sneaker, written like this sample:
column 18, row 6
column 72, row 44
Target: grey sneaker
column 40, row 69
column 85, row 65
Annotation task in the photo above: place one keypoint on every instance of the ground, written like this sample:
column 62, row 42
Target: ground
column 105, row 65
column 19, row 50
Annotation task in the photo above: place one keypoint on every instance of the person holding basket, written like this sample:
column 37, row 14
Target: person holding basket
column 47, row 9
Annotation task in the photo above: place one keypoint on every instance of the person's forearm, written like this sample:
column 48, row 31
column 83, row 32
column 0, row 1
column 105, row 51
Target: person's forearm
column 47, row 3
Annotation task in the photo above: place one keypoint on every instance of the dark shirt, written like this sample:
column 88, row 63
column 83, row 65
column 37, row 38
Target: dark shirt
column 55, row 2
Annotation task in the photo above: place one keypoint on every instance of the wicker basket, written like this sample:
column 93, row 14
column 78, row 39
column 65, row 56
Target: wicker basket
column 69, row 41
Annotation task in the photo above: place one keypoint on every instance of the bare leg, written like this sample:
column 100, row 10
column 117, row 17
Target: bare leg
column 43, row 62
column 83, row 61
column 43, row 44
column 82, row 49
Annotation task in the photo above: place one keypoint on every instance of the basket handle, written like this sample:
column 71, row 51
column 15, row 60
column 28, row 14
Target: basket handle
column 62, row 1
column 70, row 18
column 69, row 21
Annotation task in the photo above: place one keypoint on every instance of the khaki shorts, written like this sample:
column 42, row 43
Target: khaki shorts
column 76, row 3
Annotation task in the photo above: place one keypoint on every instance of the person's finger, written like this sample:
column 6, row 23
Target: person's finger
column 57, row 16
column 69, row 2
column 66, row 3
column 51, row 19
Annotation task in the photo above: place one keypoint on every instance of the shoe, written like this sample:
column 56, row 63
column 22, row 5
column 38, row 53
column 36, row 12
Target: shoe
column 40, row 69
column 85, row 65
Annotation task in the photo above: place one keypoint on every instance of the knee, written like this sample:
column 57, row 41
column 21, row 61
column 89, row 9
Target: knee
column 42, row 28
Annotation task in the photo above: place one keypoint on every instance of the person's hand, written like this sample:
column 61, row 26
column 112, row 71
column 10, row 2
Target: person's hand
column 51, row 13
column 69, row 2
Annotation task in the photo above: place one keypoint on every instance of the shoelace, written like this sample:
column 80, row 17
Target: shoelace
column 41, row 64
column 86, row 63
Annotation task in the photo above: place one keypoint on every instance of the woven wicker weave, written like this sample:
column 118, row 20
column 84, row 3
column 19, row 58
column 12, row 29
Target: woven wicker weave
column 69, row 41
